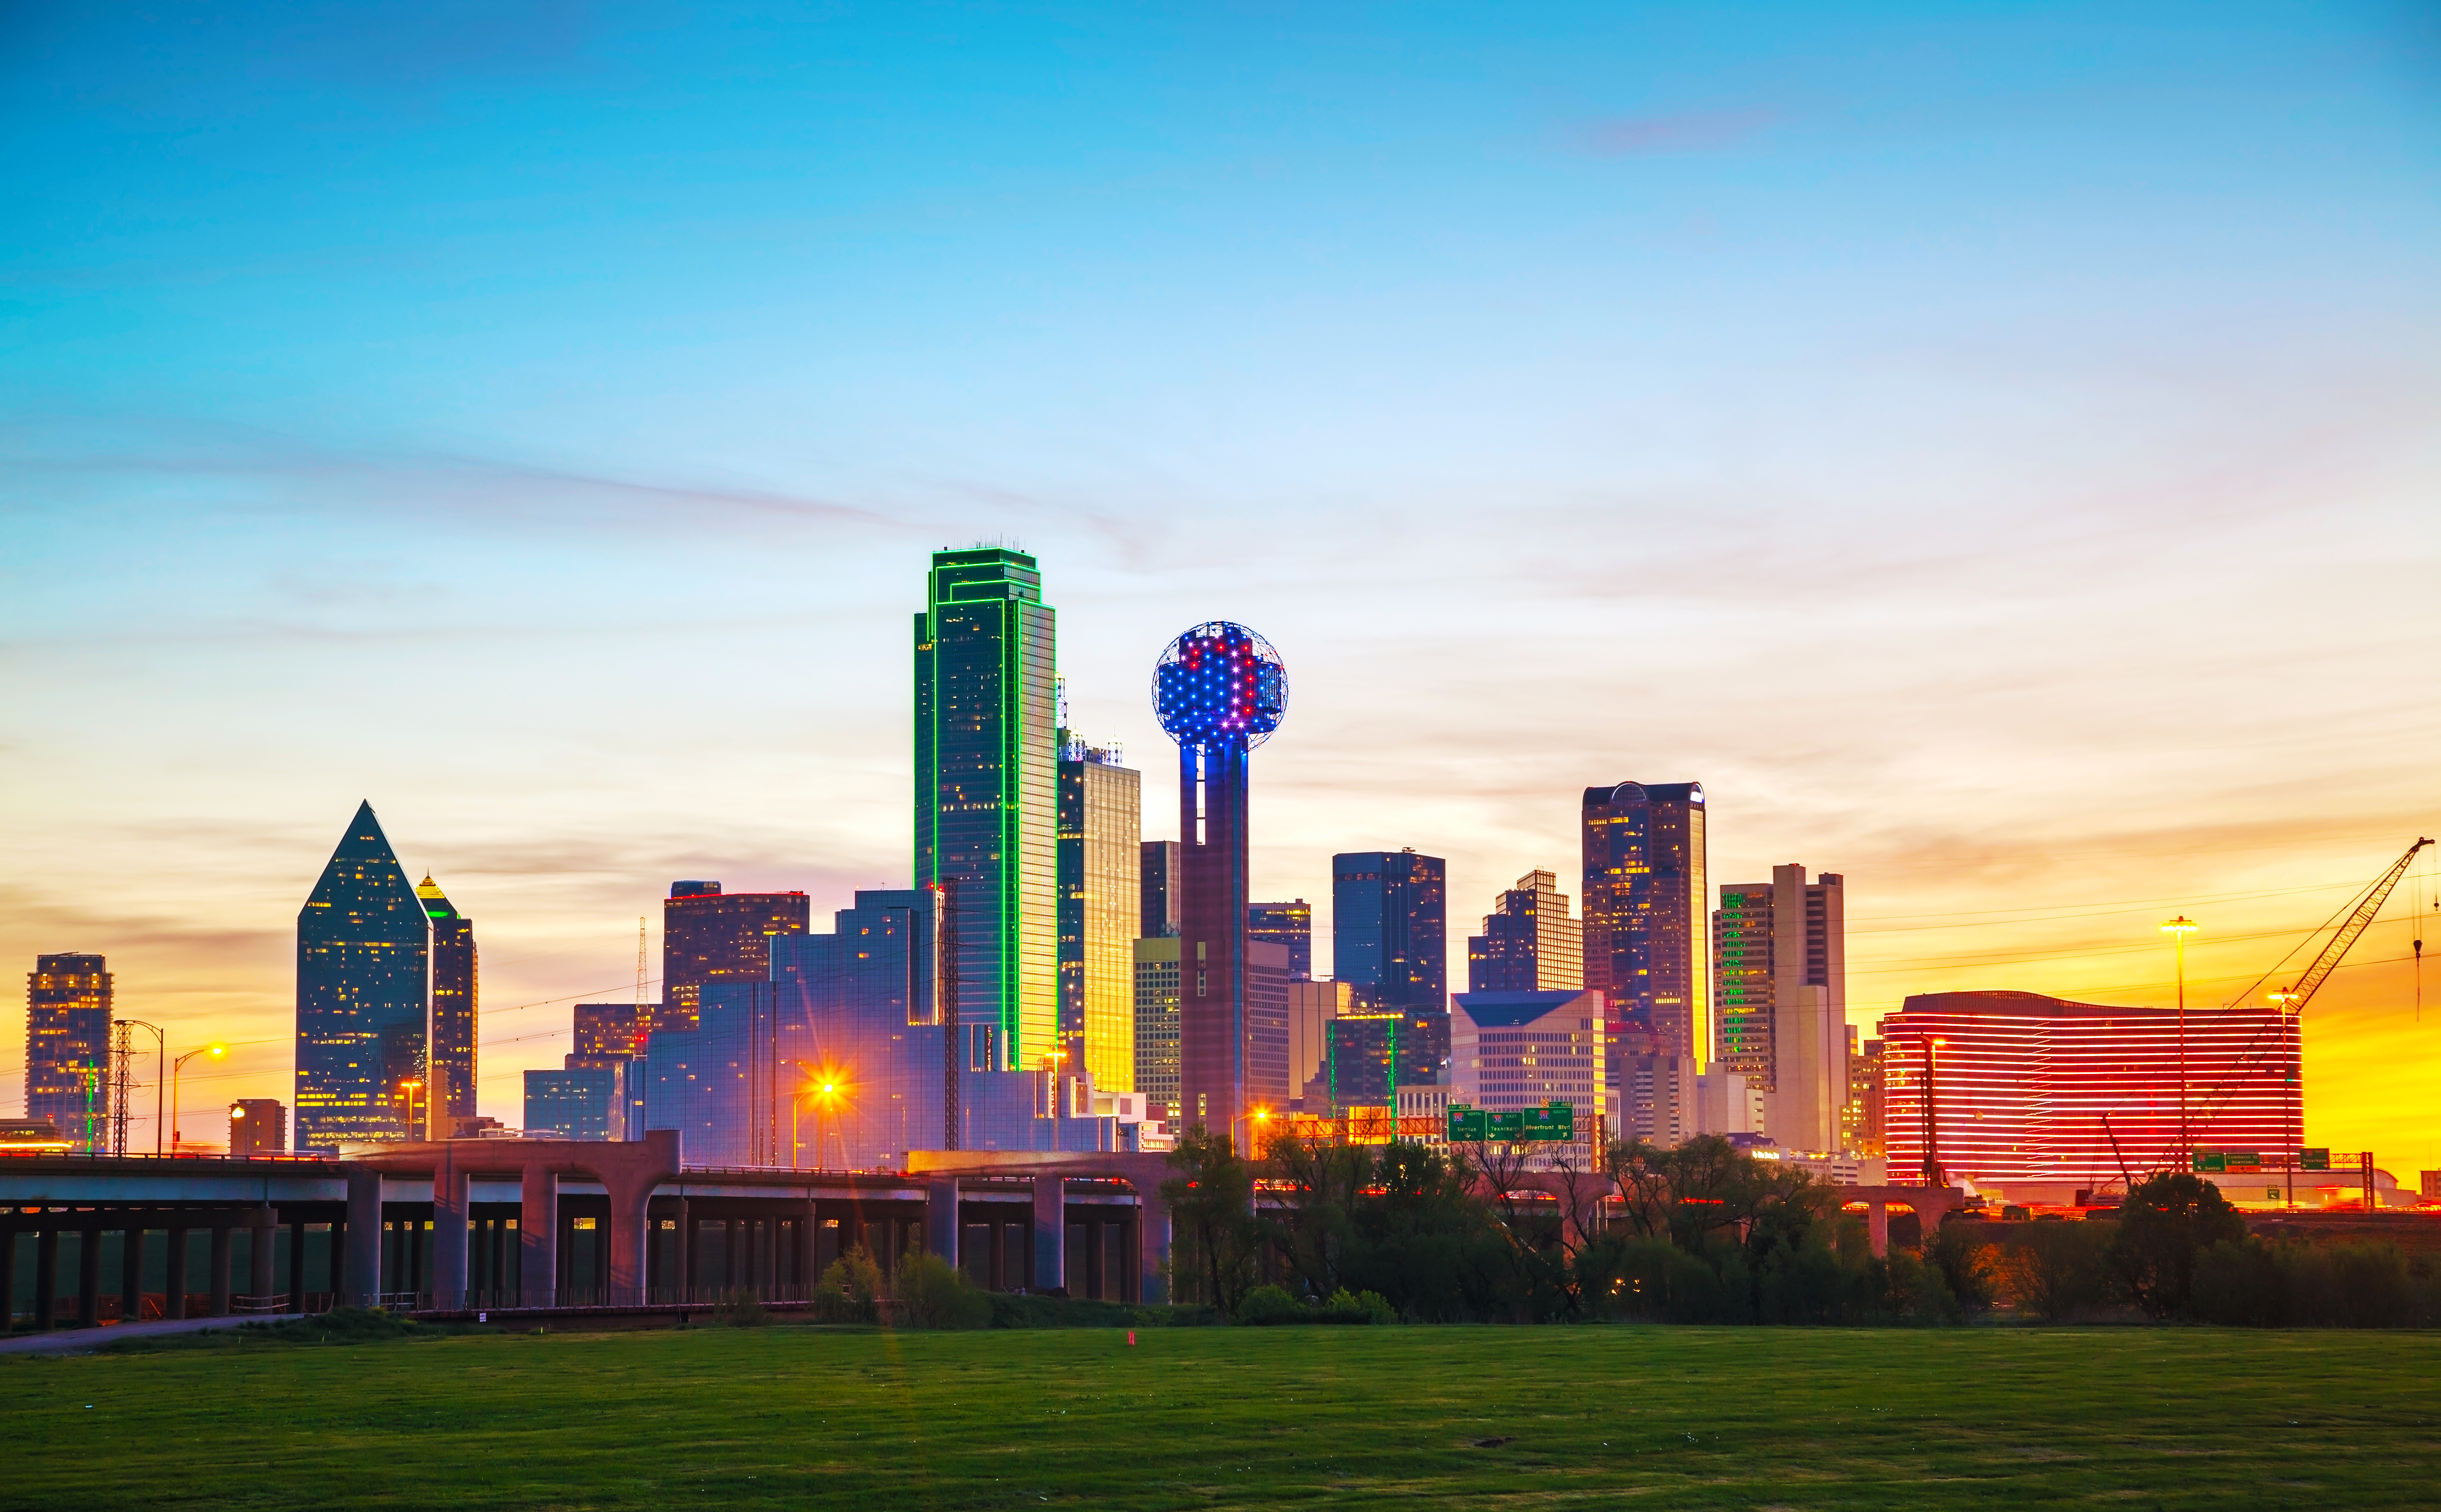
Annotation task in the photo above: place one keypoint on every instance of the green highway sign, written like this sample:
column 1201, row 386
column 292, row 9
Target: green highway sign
column 2319, row 1160
column 1555, row 1122
column 2207, row 1161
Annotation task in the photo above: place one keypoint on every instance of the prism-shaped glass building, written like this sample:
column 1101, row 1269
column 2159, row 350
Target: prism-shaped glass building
column 364, row 997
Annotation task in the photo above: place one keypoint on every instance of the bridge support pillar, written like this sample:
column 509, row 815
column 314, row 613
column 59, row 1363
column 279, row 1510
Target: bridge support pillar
column 47, row 1278
column 175, row 1281
column 539, row 1239
column 630, row 1239
column 1050, row 1234
column 1152, row 1247
column 88, row 1278
column 450, row 1188
column 941, row 1217
column 131, row 1273
column 220, row 1272
column 364, row 1268
column 262, row 1257
column 1877, row 1228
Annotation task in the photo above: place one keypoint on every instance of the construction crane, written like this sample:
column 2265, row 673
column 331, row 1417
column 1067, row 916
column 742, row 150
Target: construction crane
column 2359, row 919
column 2292, row 1002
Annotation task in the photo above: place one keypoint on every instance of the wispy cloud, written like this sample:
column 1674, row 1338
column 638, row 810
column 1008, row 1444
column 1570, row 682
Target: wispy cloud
column 1691, row 131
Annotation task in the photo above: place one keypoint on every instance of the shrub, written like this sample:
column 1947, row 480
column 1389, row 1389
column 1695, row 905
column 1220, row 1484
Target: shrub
column 1360, row 1308
column 1270, row 1305
column 2238, row 1283
column 740, row 1308
column 1649, row 1281
column 1967, row 1267
column 938, row 1294
column 2057, row 1270
column 850, row 1291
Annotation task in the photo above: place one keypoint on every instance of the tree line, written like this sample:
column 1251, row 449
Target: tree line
column 1704, row 1232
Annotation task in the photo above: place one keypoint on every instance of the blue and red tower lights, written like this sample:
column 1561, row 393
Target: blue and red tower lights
column 1220, row 683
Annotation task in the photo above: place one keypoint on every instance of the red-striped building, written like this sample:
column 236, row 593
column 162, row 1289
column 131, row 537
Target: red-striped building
column 2031, row 1088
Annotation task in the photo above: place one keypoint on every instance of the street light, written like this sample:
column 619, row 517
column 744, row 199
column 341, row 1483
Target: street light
column 2178, row 929
column 177, row 1134
column 2287, row 1005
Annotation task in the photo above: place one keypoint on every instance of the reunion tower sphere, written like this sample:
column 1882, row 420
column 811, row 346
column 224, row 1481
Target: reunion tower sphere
column 1218, row 683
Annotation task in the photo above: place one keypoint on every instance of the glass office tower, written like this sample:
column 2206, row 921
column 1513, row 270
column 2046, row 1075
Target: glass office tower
column 1101, row 846
column 453, row 1007
column 1648, row 923
column 364, row 997
column 1289, row 924
column 1529, row 943
column 1389, row 937
column 986, row 795
column 710, row 936
column 67, row 1045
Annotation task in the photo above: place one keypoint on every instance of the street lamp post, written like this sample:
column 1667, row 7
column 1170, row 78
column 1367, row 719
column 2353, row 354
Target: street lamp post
column 1933, row 1175
column 2178, row 929
column 2286, row 1003
column 176, row 1134
column 160, row 1083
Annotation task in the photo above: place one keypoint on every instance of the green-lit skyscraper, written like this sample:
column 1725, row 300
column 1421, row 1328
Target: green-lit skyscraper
column 364, row 997
column 986, row 795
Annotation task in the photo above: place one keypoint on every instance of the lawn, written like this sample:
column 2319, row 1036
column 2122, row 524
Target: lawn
column 1229, row 1417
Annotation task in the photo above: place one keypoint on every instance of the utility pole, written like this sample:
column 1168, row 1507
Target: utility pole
column 1933, row 1175
column 2286, row 1002
column 122, row 1035
column 2178, row 929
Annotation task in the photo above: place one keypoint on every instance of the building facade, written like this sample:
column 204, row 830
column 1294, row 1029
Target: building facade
column 455, row 1004
column 1163, row 889
column 862, row 1059
column 708, row 936
column 1101, row 900
column 1529, row 943
column 364, row 998
column 1289, row 924
column 1780, row 969
column 1156, row 1026
column 257, row 1125
column 1520, row 1049
column 67, row 1046
column 2015, row 1085
column 578, row 1103
column 986, row 821
column 1389, row 940
column 1311, row 1007
column 1648, row 914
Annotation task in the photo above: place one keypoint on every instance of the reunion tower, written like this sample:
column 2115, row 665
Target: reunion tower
column 1219, row 691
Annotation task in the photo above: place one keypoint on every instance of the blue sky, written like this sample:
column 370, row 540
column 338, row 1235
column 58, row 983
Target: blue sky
column 1994, row 448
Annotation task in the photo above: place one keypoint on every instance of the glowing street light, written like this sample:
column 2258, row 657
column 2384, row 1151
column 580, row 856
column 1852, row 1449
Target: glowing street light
column 2178, row 929
column 176, row 1134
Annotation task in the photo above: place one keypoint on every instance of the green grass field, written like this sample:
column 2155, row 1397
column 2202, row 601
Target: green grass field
column 1232, row 1417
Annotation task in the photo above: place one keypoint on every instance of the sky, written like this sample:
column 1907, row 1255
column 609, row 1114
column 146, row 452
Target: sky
column 1992, row 448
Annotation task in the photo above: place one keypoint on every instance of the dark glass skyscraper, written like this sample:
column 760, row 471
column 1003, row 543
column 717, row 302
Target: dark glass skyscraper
column 986, row 795
column 1648, row 923
column 1288, row 924
column 1159, row 880
column 453, row 1007
column 364, row 996
column 67, row 1045
column 708, row 935
column 1389, row 938
column 1219, row 691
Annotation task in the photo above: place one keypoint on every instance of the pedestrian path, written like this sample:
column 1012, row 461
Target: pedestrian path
column 68, row 1341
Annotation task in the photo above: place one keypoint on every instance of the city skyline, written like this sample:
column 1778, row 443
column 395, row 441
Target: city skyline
column 1935, row 445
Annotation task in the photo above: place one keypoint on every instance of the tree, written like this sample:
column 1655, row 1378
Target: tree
column 2163, row 1223
column 1212, row 1203
column 1318, row 1185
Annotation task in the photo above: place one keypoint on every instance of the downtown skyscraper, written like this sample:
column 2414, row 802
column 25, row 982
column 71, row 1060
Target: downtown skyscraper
column 1389, row 940
column 1779, row 970
column 67, row 1045
column 1529, row 943
column 987, row 797
column 1101, row 852
column 1648, row 915
column 455, row 1004
column 364, row 997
